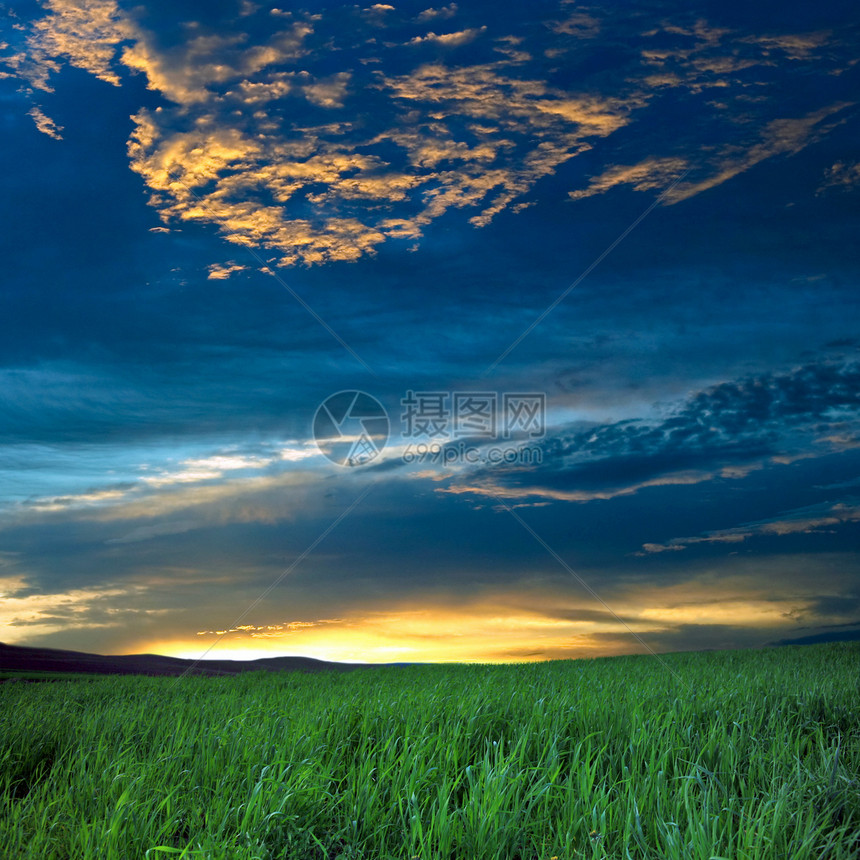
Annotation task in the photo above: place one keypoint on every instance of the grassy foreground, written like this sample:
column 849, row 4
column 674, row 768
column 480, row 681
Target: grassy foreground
column 749, row 755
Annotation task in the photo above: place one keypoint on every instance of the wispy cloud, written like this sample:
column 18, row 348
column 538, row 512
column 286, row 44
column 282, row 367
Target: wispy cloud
column 45, row 124
column 647, row 175
column 810, row 520
column 780, row 137
column 450, row 40
column 142, row 533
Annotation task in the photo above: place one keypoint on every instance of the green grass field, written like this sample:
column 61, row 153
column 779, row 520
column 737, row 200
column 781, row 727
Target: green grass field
column 752, row 754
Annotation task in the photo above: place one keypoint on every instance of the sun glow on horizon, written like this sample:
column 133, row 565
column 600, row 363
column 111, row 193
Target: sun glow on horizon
column 475, row 634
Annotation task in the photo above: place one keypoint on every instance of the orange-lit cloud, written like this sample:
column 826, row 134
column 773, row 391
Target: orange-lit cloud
column 45, row 124
column 450, row 40
column 720, row 605
column 222, row 271
column 185, row 74
column 244, row 172
column 85, row 33
column 441, row 12
column 221, row 150
column 647, row 175
column 805, row 521
column 446, row 172
column 329, row 92
column 492, row 489
column 780, row 137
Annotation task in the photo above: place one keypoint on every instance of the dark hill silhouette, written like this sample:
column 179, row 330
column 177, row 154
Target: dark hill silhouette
column 17, row 658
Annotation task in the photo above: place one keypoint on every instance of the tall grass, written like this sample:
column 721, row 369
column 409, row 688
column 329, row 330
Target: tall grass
column 751, row 755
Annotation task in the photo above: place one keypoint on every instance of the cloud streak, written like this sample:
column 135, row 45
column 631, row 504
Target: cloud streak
column 812, row 520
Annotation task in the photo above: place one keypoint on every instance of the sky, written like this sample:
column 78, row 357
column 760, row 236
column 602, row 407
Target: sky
column 392, row 333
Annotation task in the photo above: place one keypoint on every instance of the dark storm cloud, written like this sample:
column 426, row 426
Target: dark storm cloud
column 723, row 430
column 758, row 411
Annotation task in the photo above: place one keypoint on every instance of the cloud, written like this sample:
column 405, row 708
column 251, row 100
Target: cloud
column 450, row 40
column 780, row 137
column 647, row 175
column 794, row 46
column 700, row 56
column 45, row 124
column 330, row 92
column 26, row 613
column 842, row 176
column 244, row 182
column 272, row 631
column 503, row 111
column 142, row 533
column 198, row 469
column 318, row 193
column 185, row 73
column 496, row 489
column 86, row 33
column 430, row 14
column 75, row 501
column 177, row 165
column 478, row 628
column 810, row 520
column 541, row 618
column 222, row 271
column 239, row 142
column 197, row 483
column 579, row 24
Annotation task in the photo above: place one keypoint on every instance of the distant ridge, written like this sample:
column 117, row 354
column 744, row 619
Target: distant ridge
column 17, row 658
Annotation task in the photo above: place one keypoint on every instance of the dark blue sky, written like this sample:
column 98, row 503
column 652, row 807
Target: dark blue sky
column 217, row 215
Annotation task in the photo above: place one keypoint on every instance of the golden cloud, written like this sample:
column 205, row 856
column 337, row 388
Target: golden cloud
column 85, row 33
column 220, row 272
column 45, row 124
column 243, row 182
column 497, row 491
column 442, row 12
column 779, row 137
column 647, row 175
column 223, row 151
column 450, row 40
